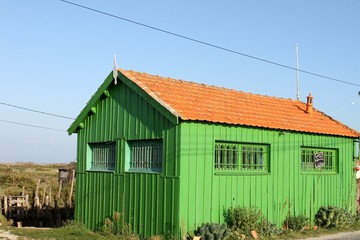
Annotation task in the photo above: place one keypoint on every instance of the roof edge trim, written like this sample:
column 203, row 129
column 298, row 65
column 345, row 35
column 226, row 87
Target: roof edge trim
column 158, row 104
column 83, row 114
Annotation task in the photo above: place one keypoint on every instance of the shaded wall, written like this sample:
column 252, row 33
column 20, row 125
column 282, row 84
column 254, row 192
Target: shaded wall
column 146, row 200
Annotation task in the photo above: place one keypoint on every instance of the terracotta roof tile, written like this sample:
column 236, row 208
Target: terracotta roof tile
column 200, row 102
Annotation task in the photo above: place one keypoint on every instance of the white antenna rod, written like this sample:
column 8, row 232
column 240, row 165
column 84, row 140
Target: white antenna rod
column 297, row 73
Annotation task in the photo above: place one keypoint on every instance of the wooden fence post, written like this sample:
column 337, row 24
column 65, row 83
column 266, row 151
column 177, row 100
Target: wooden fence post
column 37, row 200
column 71, row 189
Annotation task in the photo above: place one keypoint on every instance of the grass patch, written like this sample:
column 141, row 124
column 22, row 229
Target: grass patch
column 72, row 230
column 76, row 231
column 313, row 233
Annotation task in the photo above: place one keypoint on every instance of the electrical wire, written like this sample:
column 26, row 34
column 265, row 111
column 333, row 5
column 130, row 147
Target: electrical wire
column 210, row 44
column 31, row 125
column 32, row 110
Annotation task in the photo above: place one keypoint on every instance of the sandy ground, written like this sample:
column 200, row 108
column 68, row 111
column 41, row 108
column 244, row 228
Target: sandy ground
column 344, row 236
column 9, row 236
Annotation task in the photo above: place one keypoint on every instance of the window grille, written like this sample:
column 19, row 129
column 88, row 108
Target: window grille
column 145, row 155
column 241, row 157
column 315, row 159
column 102, row 156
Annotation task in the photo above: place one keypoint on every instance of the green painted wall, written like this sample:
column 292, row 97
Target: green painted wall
column 204, row 193
column 148, row 201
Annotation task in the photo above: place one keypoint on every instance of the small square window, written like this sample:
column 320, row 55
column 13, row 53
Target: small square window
column 318, row 159
column 144, row 156
column 101, row 156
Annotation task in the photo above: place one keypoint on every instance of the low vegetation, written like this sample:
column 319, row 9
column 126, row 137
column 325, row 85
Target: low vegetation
column 5, row 222
column 243, row 220
column 249, row 222
column 238, row 222
column 298, row 228
column 213, row 231
column 21, row 178
column 71, row 231
column 296, row 223
column 333, row 217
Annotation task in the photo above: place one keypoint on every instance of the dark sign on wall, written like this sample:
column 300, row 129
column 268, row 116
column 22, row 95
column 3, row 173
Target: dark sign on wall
column 319, row 159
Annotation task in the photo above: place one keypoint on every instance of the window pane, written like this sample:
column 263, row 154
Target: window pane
column 145, row 155
column 253, row 157
column 102, row 156
column 314, row 159
column 241, row 157
column 226, row 156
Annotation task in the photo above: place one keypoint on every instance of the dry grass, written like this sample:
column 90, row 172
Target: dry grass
column 16, row 177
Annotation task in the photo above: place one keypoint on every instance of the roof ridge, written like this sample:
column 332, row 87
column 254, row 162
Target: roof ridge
column 210, row 86
column 195, row 101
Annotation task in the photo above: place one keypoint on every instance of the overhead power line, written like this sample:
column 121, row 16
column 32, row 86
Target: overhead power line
column 31, row 125
column 32, row 110
column 211, row 45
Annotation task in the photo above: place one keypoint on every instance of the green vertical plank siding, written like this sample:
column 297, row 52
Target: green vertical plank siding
column 147, row 201
column 204, row 193
column 188, row 191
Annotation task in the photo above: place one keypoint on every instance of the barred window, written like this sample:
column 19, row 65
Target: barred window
column 102, row 156
column 241, row 157
column 316, row 159
column 145, row 155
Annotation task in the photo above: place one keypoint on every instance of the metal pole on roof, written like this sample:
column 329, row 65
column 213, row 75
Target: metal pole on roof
column 115, row 70
column 297, row 74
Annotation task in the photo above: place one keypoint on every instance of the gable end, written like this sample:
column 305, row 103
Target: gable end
column 103, row 92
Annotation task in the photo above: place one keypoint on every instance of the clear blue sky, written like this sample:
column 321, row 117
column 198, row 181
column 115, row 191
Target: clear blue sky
column 53, row 57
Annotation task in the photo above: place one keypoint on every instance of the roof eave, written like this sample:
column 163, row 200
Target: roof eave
column 78, row 123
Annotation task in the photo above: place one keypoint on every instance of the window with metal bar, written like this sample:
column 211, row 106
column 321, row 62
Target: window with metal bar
column 318, row 159
column 241, row 157
column 145, row 155
column 102, row 156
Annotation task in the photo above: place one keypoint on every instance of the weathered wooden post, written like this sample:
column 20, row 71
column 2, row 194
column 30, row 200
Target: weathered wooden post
column 36, row 200
column 47, row 200
column 59, row 193
column 50, row 195
column 26, row 205
column 43, row 198
column 71, row 189
column 6, row 206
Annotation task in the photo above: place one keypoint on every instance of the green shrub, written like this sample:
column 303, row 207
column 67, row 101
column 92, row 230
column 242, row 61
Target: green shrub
column 245, row 219
column 269, row 229
column 115, row 227
column 4, row 221
column 213, row 231
column 296, row 223
column 333, row 217
column 74, row 229
column 357, row 216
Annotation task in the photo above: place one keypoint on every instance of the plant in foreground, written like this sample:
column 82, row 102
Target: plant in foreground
column 333, row 217
column 243, row 220
column 114, row 226
column 296, row 223
column 213, row 231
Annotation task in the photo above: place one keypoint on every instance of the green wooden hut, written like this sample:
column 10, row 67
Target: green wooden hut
column 169, row 155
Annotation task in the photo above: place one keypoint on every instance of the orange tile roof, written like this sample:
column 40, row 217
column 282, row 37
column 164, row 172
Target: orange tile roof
column 200, row 102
